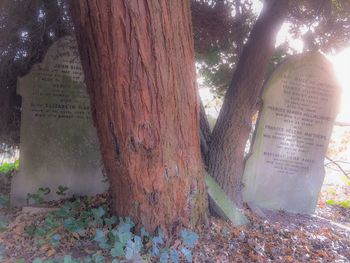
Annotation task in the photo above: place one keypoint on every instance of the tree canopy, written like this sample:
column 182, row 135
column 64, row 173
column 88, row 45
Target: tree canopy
column 220, row 29
column 27, row 29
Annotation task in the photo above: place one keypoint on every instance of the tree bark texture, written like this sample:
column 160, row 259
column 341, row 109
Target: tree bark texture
column 231, row 132
column 138, row 61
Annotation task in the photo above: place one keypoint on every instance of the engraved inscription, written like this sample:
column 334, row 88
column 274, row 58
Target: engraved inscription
column 59, row 144
column 300, row 102
column 61, row 93
column 289, row 131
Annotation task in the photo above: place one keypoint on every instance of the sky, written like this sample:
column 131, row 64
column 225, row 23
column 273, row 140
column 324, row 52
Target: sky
column 341, row 63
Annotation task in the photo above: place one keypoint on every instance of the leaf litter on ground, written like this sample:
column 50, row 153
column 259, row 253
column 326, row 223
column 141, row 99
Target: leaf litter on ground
column 83, row 230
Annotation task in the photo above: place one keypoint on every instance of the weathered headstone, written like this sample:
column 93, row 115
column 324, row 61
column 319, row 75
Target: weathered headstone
column 222, row 204
column 59, row 145
column 285, row 170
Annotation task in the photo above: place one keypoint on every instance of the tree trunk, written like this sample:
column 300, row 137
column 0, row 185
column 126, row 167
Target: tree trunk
column 204, row 133
column 138, row 61
column 230, row 134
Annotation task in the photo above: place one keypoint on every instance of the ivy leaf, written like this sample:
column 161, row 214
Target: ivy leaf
column 189, row 238
column 41, row 231
column 51, row 222
column 98, row 258
column 4, row 201
column 61, row 190
column 122, row 232
column 156, row 242
column 125, row 225
column 55, row 240
column 174, row 255
column 68, row 259
column 164, row 256
column 3, row 224
column 37, row 260
column 110, row 221
column 138, row 243
column 100, row 238
column 133, row 248
column 44, row 190
column 117, row 250
column 2, row 252
column 155, row 250
column 73, row 225
column 98, row 213
column 63, row 212
column 187, row 253
column 40, row 242
column 144, row 233
column 122, row 237
column 30, row 230
column 88, row 259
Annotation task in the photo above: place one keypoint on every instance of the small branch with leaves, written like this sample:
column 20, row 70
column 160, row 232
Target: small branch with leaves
column 339, row 167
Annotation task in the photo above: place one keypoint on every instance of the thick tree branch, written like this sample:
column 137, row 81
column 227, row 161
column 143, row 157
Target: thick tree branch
column 232, row 128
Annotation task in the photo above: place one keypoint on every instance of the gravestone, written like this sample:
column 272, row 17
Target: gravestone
column 59, row 145
column 285, row 170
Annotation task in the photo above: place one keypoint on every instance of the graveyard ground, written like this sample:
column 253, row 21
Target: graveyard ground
column 31, row 234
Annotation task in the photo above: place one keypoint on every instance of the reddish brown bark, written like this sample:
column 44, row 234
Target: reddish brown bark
column 138, row 60
column 230, row 134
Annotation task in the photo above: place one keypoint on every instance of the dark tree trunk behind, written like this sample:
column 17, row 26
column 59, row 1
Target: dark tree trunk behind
column 138, row 60
column 230, row 134
column 204, row 133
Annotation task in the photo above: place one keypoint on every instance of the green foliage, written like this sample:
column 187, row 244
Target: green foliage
column 39, row 196
column 98, row 214
column 133, row 247
column 69, row 259
column 4, row 200
column 115, row 238
column 74, row 225
column 174, row 256
column 97, row 258
column 344, row 204
column 2, row 252
column 30, row 230
column 187, row 253
column 9, row 168
column 101, row 239
column 61, row 190
column 3, row 225
column 110, row 221
column 220, row 29
column 189, row 238
column 56, row 240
